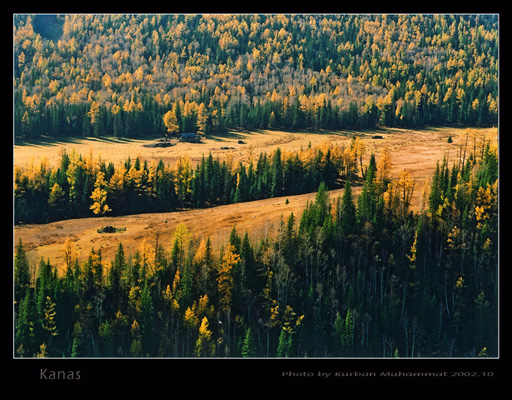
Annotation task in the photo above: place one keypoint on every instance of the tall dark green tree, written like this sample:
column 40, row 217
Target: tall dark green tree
column 21, row 273
column 249, row 346
column 147, row 319
column 347, row 211
column 276, row 173
column 367, row 202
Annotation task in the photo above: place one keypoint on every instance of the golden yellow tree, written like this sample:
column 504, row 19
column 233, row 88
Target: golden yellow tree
column 171, row 121
column 181, row 242
column 485, row 198
column 349, row 162
column 117, row 182
column 202, row 309
column 99, row 196
column 204, row 344
column 384, row 166
column 56, row 200
column 147, row 255
column 225, row 275
column 183, row 179
column 202, row 119
column 358, row 149
column 94, row 112
column 405, row 189
column 190, row 319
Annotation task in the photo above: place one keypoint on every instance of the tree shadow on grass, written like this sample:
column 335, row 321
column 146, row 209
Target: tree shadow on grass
column 50, row 141
column 229, row 135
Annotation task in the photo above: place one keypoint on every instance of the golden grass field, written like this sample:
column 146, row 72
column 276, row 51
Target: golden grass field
column 416, row 151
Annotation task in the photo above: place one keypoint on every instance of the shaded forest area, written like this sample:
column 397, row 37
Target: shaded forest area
column 149, row 75
column 361, row 277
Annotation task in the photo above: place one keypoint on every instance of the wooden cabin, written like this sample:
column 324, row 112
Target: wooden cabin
column 190, row 137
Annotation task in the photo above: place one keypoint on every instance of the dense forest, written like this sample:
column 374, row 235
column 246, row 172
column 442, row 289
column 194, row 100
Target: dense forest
column 365, row 276
column 135, row 75
column 85, row 185
column 349, row 278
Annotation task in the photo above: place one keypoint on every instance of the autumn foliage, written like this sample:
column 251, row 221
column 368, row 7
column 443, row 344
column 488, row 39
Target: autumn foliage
column 351, row 277
column 85, row 185
column 139, row 75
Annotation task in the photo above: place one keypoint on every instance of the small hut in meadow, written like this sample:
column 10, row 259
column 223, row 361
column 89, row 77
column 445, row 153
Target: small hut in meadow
column 190, row 137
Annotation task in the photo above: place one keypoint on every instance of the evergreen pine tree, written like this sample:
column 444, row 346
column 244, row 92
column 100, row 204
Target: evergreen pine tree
column 284, row 344
column 24, row 335
column 347, row 211
column 368, row 198
column 347, row 334
column 49, row 322
column 249, row 345
column 21, row 273
column 276, row 187
column 146, row 318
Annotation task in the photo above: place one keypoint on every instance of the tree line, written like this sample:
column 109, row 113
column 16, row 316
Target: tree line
column 83, row 185
column 349, row 278
column 122, row 74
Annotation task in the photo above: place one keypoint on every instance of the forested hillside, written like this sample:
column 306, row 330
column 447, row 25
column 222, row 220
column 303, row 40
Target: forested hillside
column 132, row 75
column 366, row 276
column 82, row 186
column 349, row 278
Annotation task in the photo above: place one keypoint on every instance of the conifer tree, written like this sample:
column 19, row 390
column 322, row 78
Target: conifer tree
column 347, row 211
column 136, row 344
column 170, row 120
column 24, row 335
column 225, row 276
column 276, row 187
column 347, row 333
column 367, row 202
column 49, row 322
column 99, row 196
column 434, row 199
column 21, row 273
column 285, row 344
column 249, row 346
column 204, row 344
column 146, row 316
column 56, row 202
column 202, row 120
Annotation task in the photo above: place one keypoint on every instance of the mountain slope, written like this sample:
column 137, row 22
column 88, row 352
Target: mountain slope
column 120, row 74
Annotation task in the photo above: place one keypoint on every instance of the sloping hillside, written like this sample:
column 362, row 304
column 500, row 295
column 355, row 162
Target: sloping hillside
column 132, row 75
column 257, row 218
